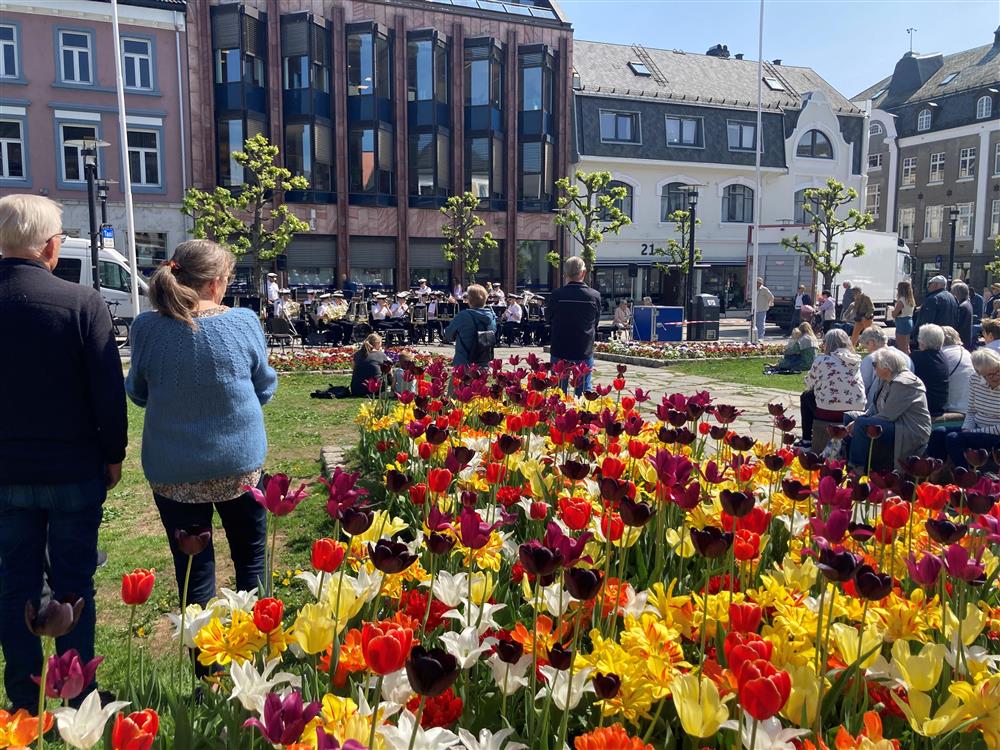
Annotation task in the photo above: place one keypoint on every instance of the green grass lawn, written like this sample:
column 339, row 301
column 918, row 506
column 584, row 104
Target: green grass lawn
column 297, row 426
column 743, row 371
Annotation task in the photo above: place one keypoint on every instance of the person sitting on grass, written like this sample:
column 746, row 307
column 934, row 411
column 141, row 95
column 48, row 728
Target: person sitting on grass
column 898, row 421
column 929, row 365
column 368, row 361
column 800, row 351
column 981, row 428
column 833, row 385
column 960, row 371
column 991, row 333
column 873, row 339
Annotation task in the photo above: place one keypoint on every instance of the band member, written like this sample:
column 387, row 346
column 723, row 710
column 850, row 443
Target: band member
column 272, row 292
column 498, row 294
column 512, row 318
column 310, row 304
column 381, row 313
column 623, row 316
column 422, row 291
column 399, row 310
column 290, row 309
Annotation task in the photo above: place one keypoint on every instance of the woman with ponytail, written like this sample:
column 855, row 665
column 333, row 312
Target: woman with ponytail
column 200, row 370
column 368, row 361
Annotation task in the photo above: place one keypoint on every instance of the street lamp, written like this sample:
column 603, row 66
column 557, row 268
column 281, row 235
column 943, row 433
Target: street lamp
column 88, row 151
column 692, row 196
column 953, row 217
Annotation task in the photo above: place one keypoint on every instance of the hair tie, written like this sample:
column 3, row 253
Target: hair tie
column 172, row 264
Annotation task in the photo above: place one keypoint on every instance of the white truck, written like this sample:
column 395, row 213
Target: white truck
column 886, row 262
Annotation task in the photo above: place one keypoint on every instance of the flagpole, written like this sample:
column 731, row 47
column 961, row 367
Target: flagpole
column 757, row 197
column 133, row 264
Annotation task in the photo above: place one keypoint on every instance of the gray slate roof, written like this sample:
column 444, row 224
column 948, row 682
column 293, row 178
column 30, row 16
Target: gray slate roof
column 696, row 79
column 178, row 5
column 976, row 68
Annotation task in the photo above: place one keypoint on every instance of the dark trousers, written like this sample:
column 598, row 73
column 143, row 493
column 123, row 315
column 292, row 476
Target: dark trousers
column 245, row 522
column 952, row 442
column 807, row 406
column 828, row 325
column 64, row 519
column 511, row 331
column 881, row 453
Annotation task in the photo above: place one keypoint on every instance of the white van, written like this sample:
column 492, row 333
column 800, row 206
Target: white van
column 74, row 265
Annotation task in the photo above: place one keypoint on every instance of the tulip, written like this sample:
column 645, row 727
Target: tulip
column 267, row 614
column 396, row 481
column 575, row 512
column 746, row 545
column 634, row 514
column 871, row 584
column 776, row 409
column 473, row 533
column 736, row 503
column 943, row 531
column 135, row 731
column 67, row 675
column 342, row 492
column 440, row 543
column 509, row 444
column 744, row 618
column 284, row 719
column 582, row 583
column 740, row 647
column 726, row 414
column 391, row 557
column 55, row 618
column 137, row 586
column 976, row 457
column 917, row 710
column 327, row 555
column 356, row 521
column 83, row 727
column 373, row 385
column 438, row 480
column 559, row 657
column 711, row 542
column 313, row 629
column 895, row 513
column 539, row 560
column 569, row 548
column 509, row 652
column 763, row 689
column 837, row 566
column 276, row 498
column 741, row 443
column 962, row 566
column 385, row 647
column 435, row 435
column 925, row 572
column 606, row 686
column 920, row 466
column 431, row 671
column 920, row 672
column 699, row 707
column 193, row 540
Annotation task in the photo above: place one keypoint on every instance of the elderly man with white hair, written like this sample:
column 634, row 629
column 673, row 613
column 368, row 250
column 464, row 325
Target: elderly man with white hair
column 981, row 428
column 573, row 312
column 899, row 416
column 62, row 438
column 939, row 307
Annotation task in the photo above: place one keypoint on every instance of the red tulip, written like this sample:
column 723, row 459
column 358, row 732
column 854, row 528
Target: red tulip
column 385, row 647
column 575, row 512
column 538, row 511
column 763, row 688
column 267, row 614
column 137, row 586
column 327, row 555
column 746, row 545
column 744, row 618
column 438, row 480
column 895, row 513
column 425, row 450
column 741, row 647
column 135, row 731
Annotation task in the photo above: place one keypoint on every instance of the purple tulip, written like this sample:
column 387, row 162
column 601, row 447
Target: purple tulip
column 537, row 559
column 711, row 542
column 833, row 528
column 284, row 719
column 736, row 503
column 838, row 566
column 276, row 498
column 926, row 571
column 569, row 549
column 871, row 584
column 943, row 531
column 67, row 676
column 606, row 686
column 474, row 533
column 193, row 540
column 582, row 583
column 962, row 566
column 342, row 492
column 390, row 557
column 55, row 618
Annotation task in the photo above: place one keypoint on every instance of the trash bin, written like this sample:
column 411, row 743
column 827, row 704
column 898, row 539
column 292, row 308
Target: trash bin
column 705, row 319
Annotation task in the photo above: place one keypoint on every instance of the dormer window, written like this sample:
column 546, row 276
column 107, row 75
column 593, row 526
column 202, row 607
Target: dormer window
column 815, row 145
column 876, row 129
column 924, row 120
column 640, row 69
column 984, row 108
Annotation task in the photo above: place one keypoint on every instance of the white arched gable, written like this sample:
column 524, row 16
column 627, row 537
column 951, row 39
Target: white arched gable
column 682, row 178
column 736, row 181
column 810, row 182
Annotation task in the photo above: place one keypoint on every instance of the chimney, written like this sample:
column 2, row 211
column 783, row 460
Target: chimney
column 719, row 50
column 776, row 61
column 738, row 55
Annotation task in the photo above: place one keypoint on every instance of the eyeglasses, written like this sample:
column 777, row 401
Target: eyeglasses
column 61, row 235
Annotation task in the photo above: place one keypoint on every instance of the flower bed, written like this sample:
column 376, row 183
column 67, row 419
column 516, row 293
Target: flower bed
column 518, row 569
column 677, row 351
column 340, row 358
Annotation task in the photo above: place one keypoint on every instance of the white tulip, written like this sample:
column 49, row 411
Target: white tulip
column 451, row 588
column 559, row 682
column 398, row 737
column 251, row 687
column 472, row 614
column 489, row 741
column 242, row 600
column 195, row 618
column 770, row 735
column 510, row 677
column 83, row 727
column 465, row 646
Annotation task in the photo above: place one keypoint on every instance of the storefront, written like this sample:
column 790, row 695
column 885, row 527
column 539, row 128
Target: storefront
column 373, row 261
column 427, row 261
column 311, row 262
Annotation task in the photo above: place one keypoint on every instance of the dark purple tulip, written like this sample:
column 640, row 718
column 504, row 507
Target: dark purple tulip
column 67, row 675
column 976, row 457
column 677, row 418
column 966, row 478
column 634, row 514
column 810, row 461
column 860, row 491
column 787, row 438
column 538, row 559
column 583, row 443
column 785, row 424
column 666, row 435
column 396, row 481
column 435, row 435
column 741, row 443
column 736, row 503
column 55, row 618
column 390, row 557
column 193, row 540
column 711, row 541
column 776, row 409
column 793, row 489
column 838, row 566
column 774, row 462
column 509, row 444
column 978, row 503
column 356, row 520
column 569, row 549
column 634, row 425
column 833, row 528
column 342, row 492
column 414, row 428
column 575, row 470
column 871, row 584
column 509, row 652
column 860, row 532
column 884, row 480
column 873, row 431
column 491, row 418
column 684, row 436
column 943, row 531
column 926, row 571
column 717, row 432
column 469, row 498
column 431, row 671
column 606, row 686
column 474, row 533
column 725, row 413
column 458, row 458
column 284, row 718
column 920, row 466
column 439, row 543
column 613, row 490
column 582, row 583
column 560, row 657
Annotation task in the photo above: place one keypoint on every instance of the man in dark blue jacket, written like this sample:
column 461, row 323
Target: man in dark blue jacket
column 573, row 312
column 939, row 306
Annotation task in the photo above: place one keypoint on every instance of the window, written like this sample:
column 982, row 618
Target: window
column 74, row 55
column 68, row 269
column 996, row 160
column 484, row 166
column 995, row 219
column 11, row 150
column 72, row 158
column 8, row 51
column 683, row 131
column 536, row 171
column 137, row 63
column 876, row 129
column 909, row 171
column 295, row 72
column 144, row 157
column 873, row 198
column 227, row 66
column 368, row 64
column 113, row 276
column 802, row 216
column 815, row 145
column 933, row 221
column 774, row 84
column 532, row 88
column 426, row 60
column 948, row 79
column 483, row 76
column 906, row 219
column 967, row 162
column 429, row 165
column 231, row 137
column 150, row 248
column 370, row 161
column 737, row 204
column 625, row 204
column 640, row 69
column 963, row 228
column 924, row 120
column 874, row 161
column 619, row 127
column 984, row 106
column 936, row 173
column 673, row 197
column 742, row 135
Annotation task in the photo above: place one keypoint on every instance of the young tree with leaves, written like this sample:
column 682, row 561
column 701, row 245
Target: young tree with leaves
column 587, row 208
column 676, row 250
column 459, row 230
column 250, row 220
column 822, row 205
column 993, row 266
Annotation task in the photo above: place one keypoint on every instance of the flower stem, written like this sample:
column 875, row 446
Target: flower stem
column 753, row 735
column 378, row 695
column 128, row 668
column 274, row 541
column 416, row 723
column 184, row 599
column 41, row 697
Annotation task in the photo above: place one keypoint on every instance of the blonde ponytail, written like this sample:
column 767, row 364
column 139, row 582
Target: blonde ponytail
column 175, row 288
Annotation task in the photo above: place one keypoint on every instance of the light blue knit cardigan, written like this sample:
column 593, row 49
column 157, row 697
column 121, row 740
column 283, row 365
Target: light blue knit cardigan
column 202, row 391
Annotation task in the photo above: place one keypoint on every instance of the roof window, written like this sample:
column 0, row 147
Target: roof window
column 948, row 79
column 774, row 84
column 640, row 69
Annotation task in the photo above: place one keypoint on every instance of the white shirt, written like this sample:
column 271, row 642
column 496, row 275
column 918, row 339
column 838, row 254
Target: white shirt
column 798, row 301
column 380, row 312
column 398, row 310
column 513, row 313
column 960, row 372
column 501, row 297
column 829, row 309
column 422, row 291
column 432, row 309
column 764, row 299
column 278, row 306
column 272, row 291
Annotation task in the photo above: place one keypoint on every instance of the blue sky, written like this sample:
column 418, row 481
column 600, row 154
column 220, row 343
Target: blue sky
column 851, row 43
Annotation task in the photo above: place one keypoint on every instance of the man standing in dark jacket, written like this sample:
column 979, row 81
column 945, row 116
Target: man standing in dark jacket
column 573, row 312
column 966, row 314
column 62, row 438
column 939, row 306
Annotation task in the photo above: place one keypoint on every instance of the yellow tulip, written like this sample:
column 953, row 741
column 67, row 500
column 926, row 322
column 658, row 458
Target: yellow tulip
column 852, row 647
column 972, row 624
column 922, row 671
column 345, row 607
column 800, row 709
column 700, row 715
column 983, row 702
column 918, row 713
column 680, row 542
column 313, row 629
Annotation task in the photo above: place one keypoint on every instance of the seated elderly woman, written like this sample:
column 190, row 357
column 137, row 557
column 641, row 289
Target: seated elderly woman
column 873, row 339
column 800, row 351
column 959, row 363
column 899, row 412
column 930, row 367
column 833, row 385
column 981, row 428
